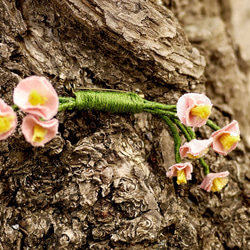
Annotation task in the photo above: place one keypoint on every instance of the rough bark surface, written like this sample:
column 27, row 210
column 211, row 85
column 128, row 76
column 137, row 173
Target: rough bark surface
column 101, row 183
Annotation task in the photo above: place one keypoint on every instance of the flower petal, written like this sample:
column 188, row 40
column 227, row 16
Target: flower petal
column 177, row 170
column 208, row 181
column 8, row 120
column 195, row 148
column 38, row 132
column 193, row 109
column 36, row 95
column 226, row 139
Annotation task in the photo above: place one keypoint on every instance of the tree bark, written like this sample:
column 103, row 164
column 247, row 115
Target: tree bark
column 101, row 183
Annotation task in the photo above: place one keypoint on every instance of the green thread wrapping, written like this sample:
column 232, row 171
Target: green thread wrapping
column 160, row 112
column 114, row 102
column 191, row 132
column 212, row 125
column 183, row 128
column 175, row 134
column 15, row 108
column 63, row 100
column 158, row 106
column 66, row 103
column 206, row 169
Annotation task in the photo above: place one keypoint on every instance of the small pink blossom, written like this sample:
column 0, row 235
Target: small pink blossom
column 215, row 181
column 193, row 109
column 226, row 139
column 8, row 120
column 36, row 95
column 38, row 132
column 195, row 148
column 182, row 171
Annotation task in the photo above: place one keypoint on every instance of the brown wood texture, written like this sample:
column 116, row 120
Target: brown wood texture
column 101, row 183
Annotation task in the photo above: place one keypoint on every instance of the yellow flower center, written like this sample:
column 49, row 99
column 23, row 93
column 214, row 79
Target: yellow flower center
column 35, row 98
column 228, row 140
column 39, row 133
column 202, row 111
column 218, row 184
column 5, row 123
column 181, row 177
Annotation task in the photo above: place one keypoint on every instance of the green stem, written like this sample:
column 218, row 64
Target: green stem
column 15, row 107
column 175, row 134
column 205, row 166
column 187, row 131
column 191, row 132
column 66, row 103
column 115, row 102
column 190, row 135
column 212, row 125
column 63, row 99
column 157, row 105
column 160, row 112
column 182, row 127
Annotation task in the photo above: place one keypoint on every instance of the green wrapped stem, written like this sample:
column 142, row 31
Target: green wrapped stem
column 212, row 125
column 156, row 105
column 190, row 135
column 15, row 107
column 206, row 169
column 182, row 127
column 114, row 102
column 191, row 132
column 160, row 112
column 176, row 136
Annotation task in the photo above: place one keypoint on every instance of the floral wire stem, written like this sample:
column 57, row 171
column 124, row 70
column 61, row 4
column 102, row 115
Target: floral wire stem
column 191, row 132
column 175, row 134
column 15, row 107
column 66, row 103
column 205, row 166
column 183, row 128
column 158, row 106
column 161, row 112
column 189, row 135
column 212, row 125
column 114, row 102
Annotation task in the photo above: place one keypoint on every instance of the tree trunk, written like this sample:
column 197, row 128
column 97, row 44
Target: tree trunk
column 101, row 183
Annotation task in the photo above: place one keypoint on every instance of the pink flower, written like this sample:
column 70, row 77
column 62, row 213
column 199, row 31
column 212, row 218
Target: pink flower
column 8, row 120
column 36, row 95
column 193, row 109
column 215, row 181
column 226, row 139
column 182, row 171
column 38, row 132
column 195, row 148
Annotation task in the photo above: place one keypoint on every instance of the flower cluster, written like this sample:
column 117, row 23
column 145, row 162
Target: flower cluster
column 35, row 96
column 193, row 110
